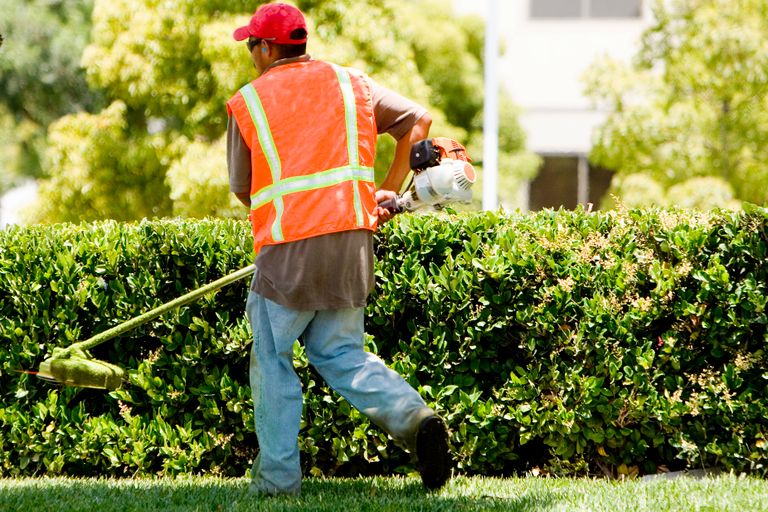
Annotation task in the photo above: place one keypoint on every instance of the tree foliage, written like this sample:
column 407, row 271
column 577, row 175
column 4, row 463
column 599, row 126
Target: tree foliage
column 640, row 190
column 694, row 101
column 111, row 170
column 40, row 76
column 171, row 66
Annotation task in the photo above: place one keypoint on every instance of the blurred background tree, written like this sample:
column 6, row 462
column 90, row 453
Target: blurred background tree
column 166, row 69
column 694, row 104
column 40, row 78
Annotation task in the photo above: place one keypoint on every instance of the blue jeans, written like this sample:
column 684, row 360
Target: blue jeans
column 333, row 341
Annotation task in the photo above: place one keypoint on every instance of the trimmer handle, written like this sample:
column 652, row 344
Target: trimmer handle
column 392, row 204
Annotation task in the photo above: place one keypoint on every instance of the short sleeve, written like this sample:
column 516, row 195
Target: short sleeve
column 394, row 113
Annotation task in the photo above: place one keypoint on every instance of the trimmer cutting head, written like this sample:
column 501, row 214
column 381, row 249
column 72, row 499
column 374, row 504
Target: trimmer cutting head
column 74, row 368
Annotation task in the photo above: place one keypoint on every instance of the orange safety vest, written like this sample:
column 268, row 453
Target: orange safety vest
column 312, row 135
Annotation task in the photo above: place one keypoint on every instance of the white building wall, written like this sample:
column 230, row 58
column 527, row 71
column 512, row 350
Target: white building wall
column 543, row 63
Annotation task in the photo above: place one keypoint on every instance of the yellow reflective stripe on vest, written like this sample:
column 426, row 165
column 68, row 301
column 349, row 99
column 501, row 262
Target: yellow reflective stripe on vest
column 259, row 118
column 350, row 114
column 311, row 182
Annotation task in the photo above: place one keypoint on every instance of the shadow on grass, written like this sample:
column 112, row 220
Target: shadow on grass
column 394, row 494
column 193, row 494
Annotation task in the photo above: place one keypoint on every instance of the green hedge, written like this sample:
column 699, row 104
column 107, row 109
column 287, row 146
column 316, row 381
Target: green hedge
column 572, row 342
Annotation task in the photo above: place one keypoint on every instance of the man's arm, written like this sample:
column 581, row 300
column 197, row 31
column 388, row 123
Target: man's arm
column 400, row 166
column 239, row 164
column 244, row 198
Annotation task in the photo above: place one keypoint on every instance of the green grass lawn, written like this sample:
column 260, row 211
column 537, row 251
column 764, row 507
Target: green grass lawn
column 723, row 493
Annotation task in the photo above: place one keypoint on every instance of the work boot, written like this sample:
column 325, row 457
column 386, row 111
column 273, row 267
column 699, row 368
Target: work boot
column 433, row 455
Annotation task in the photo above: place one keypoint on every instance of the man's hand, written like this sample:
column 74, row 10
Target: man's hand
column 383, row 213
column 244, row 198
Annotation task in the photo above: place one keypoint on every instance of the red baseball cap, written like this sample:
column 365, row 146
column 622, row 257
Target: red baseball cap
column 274, row 22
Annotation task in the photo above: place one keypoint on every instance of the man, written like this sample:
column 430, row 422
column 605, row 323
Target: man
column 301, row 143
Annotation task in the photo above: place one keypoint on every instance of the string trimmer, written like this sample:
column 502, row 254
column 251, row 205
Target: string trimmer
column 442, row 175
column 73, row 366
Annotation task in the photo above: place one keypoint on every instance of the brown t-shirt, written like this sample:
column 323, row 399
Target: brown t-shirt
column 333, row 271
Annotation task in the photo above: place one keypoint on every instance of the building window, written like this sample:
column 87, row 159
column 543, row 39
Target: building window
column 591, row 9
column 615, row 8
column 556, row 9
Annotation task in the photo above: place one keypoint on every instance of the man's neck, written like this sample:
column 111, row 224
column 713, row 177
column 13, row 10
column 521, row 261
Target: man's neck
column 288, row 60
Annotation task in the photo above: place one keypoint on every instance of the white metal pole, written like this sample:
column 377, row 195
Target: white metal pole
column 582, row 180
column 491, row 109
